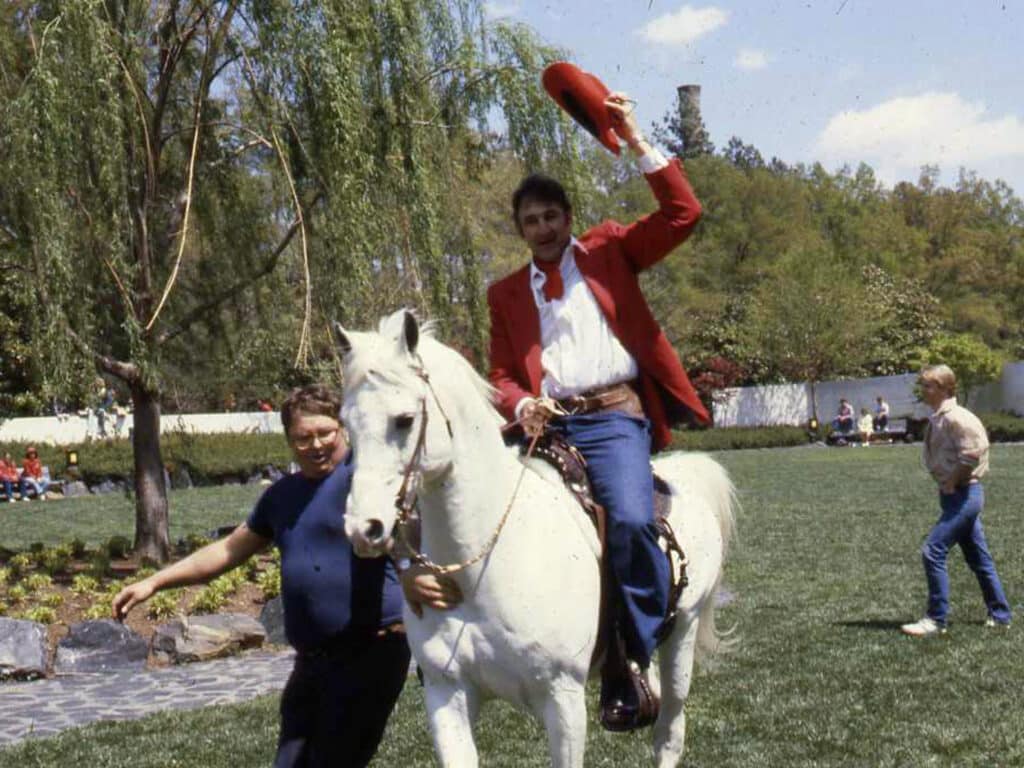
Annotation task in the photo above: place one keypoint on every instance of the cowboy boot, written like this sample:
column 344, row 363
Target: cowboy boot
column 627, row 701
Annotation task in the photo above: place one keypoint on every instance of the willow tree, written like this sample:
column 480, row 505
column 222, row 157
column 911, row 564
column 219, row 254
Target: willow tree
column 168, row 160
column 390, row 105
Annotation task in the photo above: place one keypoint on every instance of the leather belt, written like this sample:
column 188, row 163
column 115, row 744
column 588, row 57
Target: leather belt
column 615, row 397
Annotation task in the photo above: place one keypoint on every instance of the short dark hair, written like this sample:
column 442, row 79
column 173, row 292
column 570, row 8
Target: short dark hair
column 313, row 399
column 541, row 188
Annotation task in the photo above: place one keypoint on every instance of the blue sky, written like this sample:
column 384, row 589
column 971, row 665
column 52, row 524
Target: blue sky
column 896, row 84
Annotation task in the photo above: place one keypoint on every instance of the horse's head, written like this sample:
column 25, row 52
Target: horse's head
column 400, row 436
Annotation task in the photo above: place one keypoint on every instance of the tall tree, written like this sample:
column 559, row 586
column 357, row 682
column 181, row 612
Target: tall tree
column 969, row 357
column 181, row 169
column 812, row 318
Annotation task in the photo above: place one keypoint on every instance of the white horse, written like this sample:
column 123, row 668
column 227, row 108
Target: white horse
column 526, row 629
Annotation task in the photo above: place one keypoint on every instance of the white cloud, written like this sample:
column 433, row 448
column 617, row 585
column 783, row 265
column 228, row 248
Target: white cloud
column 685, row 26
column 750, row 59
column 898, row 136
column 501, row 10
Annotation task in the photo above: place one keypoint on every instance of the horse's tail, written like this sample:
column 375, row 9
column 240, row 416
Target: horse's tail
column 709, row 480
column 714, row 485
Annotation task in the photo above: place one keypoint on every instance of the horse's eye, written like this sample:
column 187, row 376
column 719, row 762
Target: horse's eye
column 404, row 421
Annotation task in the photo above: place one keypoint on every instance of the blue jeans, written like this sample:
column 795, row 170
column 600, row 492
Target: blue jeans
column 960, row 523
column 842, row 423
column 617, row 448
column 9, row 489
column 33, row 486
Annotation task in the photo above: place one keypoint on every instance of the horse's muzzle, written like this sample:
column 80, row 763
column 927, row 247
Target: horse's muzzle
column 369, row 539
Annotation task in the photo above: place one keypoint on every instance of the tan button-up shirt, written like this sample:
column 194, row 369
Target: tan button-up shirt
column 954, row 436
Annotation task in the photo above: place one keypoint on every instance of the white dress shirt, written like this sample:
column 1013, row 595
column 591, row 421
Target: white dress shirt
column 579, row 352
column 578, row 349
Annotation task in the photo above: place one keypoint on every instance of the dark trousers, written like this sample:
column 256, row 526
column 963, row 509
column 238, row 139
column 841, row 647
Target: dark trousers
column 336, row 703
column 617, row 448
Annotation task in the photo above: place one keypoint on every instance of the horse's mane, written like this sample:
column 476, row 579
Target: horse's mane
column 378, row 356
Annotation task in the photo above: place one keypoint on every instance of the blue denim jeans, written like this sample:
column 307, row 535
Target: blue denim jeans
column 960, row 523
column 617, row 448
column 31, row 486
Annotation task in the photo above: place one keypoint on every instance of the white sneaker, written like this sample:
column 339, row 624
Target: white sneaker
column 991, row 623
column 926, row 627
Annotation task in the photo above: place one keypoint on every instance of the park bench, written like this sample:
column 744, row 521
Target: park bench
column 899, row 430
column 55, row 484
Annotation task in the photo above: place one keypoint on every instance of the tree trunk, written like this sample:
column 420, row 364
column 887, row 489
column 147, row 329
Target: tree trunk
column 151, row 538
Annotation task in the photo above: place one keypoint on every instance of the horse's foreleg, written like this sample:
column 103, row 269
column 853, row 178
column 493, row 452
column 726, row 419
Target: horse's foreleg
column 675, row 660
column 451, row 712
column 565, row 720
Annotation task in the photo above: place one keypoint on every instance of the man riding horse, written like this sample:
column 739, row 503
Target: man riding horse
column 575, row 349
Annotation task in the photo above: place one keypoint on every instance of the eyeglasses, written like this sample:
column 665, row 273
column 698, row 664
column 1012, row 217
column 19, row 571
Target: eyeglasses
column 325, row 437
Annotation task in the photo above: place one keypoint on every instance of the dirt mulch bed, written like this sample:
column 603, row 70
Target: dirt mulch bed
column 247, row 600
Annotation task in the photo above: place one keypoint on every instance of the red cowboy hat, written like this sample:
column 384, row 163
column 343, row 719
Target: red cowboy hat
column 582, row 95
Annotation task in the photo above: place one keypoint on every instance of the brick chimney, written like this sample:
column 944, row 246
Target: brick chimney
column 695, row 137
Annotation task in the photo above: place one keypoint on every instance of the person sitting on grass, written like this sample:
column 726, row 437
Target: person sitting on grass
column 8, row 476
column 865, row 425
column 342, row 613
column 34, row 481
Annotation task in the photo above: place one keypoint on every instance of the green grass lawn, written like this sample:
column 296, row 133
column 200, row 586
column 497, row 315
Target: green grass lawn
column 94, row 519
column 826, row 570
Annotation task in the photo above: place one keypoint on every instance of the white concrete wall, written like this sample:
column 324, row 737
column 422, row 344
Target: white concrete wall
column 1013, row 388
column 777, row 404
column 790, row 404
column 76, row 429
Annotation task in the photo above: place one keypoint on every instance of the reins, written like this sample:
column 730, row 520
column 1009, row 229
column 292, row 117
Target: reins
column 405, row 500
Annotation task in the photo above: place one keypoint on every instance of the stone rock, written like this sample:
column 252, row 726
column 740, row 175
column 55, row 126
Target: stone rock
column 254, row 479
column 100, row 646
column 75, row 488
column 107, row 486
column 272, row 473
column 22, row 649
column 180, row 478
column 201, row 638
column 272, row 619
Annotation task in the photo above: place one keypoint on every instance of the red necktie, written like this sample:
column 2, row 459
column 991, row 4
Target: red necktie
column 553, row 288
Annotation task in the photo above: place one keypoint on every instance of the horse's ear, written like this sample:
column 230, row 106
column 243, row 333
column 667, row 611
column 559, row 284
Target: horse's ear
column 341, row 338
column 410, row 332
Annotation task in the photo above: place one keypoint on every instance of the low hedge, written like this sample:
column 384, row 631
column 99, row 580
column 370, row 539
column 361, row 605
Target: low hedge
column 209, row 459
column 1003, row 427
column 735, row 438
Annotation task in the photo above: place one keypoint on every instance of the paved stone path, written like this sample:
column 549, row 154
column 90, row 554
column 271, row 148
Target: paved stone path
column 46, row 707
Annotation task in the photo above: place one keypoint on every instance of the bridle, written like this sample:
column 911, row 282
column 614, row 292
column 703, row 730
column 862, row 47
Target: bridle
column 405, row 499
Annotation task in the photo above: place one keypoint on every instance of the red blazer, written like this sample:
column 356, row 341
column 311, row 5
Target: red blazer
column 614, row 256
